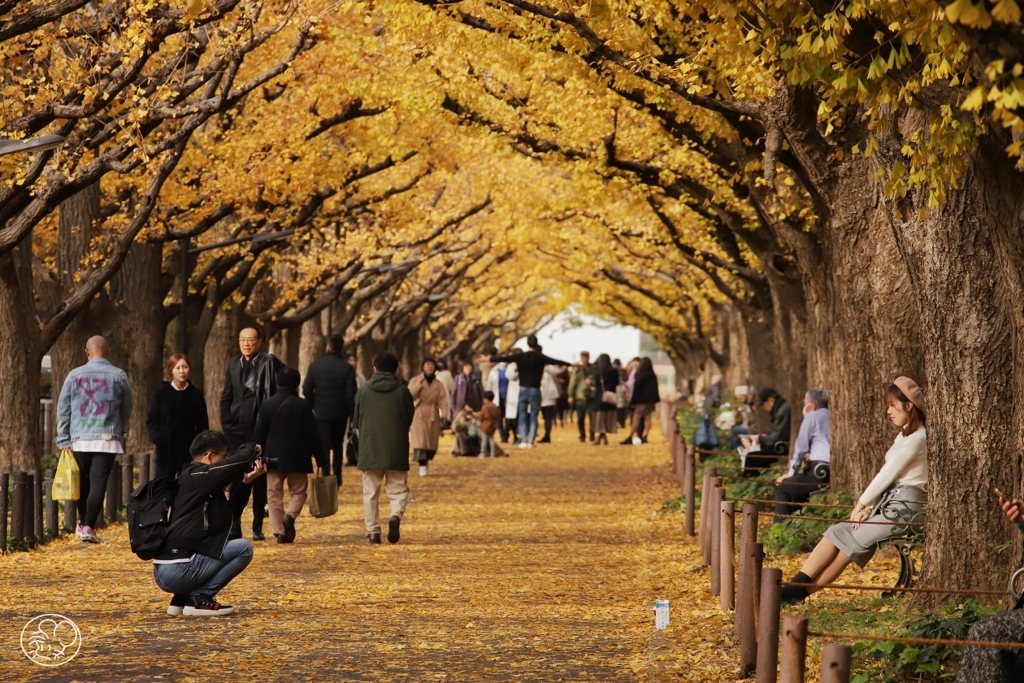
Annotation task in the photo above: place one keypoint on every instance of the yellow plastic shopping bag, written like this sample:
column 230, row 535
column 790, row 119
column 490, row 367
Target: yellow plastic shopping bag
column 65, row 481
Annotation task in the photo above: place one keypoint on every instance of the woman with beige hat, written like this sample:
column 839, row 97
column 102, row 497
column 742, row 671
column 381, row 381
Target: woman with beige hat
column 895, row 495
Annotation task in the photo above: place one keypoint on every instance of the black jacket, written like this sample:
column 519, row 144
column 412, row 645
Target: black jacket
column 173, row 420
column 287, row 430
column 530, row 366
column 781, row 416
column 330, row 387
column 200, row 516
column 603, row 383
column 645, row 388
column 239, row 403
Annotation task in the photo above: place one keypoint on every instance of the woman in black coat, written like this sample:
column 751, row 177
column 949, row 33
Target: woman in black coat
column 643, row 399
column 177, row 413
column 606, row 378
column 287, row 430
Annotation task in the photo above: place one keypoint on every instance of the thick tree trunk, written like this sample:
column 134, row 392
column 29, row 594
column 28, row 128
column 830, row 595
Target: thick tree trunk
column 964, row 263
column 79, row 223
column 20, row 367
column 221, row 346
column 137, row 328
column 312, row 344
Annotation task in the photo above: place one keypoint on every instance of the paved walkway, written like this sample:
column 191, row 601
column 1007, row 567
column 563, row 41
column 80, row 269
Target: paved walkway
column 538, row 567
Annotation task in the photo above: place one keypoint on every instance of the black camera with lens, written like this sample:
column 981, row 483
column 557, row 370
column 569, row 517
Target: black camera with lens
column 272, row 464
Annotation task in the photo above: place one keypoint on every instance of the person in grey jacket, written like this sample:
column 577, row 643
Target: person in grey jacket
column 93, row 408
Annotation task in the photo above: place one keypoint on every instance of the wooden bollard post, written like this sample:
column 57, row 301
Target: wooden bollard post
column 71, row 514
column 748, row 534
column 50, row 513
column 29, row 509
column 126, row 478
column 18, row 490
column 5, row 484
column 689, row 489
column 745, row 609
column 794, row 649
column 768, row 626
column 727, row 598
column 680, row 462
column 113, row 491
column 717, row 497
column 758, row 560
column 152, row 463
column 835, row 663
column 37, row 506
column 143, row 468
column 710, row 473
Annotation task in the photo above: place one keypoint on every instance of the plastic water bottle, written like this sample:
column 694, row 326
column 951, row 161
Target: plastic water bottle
column 661, row 614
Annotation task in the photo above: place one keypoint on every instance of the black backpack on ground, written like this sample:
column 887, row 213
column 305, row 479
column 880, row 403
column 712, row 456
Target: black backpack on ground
column 149, row 516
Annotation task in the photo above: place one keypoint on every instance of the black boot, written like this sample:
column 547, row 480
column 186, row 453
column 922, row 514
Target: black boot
column 792, row 595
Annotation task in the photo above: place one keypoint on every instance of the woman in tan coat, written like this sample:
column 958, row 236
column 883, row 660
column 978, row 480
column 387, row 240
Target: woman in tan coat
column 431, row 399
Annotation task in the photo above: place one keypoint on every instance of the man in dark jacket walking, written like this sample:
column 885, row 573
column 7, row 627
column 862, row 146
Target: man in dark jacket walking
column 330, row 388
column 251, row 379
column 287, row 431
column 383, row 415
column 196, row 559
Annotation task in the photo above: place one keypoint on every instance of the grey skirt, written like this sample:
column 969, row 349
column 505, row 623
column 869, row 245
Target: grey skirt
column 604, row 422
column 901, row 504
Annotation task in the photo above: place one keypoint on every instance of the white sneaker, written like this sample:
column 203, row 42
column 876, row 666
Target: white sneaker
column 423, row 470
column 523, row 444
column 637, row 441
column 481, row 456
column 530, row 445
column 88, row 536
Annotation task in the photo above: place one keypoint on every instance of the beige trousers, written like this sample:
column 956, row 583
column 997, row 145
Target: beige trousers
column 397, row 488
column 297, row 484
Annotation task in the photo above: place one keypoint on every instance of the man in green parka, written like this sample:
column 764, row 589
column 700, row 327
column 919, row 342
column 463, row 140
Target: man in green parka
column 383, row 414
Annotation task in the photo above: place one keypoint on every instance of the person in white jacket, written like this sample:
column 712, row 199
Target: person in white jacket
column 894, row 496
column 512, row 401
column 549, row 393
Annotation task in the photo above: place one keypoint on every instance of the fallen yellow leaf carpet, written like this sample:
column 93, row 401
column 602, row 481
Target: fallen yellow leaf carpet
column 543, row 566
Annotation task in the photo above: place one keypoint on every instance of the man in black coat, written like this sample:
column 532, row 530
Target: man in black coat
column 250, row 380
column 330, row 388
column 287, row 431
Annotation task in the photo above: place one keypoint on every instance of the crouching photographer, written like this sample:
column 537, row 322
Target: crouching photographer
column 197, row 560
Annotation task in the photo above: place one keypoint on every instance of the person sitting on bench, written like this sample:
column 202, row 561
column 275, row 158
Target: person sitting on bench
column 769, row 444
column 809, row 468
column 893, row 498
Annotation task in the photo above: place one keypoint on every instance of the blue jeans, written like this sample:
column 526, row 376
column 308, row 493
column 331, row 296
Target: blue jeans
column 529, row 398
column 204, row 575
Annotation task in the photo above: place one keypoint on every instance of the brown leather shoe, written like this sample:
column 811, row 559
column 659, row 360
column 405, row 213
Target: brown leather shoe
column 374, row 538
column 289, row 528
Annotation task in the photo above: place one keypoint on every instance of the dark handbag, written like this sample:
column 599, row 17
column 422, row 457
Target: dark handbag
column 706, row 437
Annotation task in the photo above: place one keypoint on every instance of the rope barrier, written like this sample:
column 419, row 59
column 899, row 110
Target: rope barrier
column 936, row 591
column 786, row 502
column 744, row 469
column 846, row 521
column 920, row 641
column 734, row 454
column 770, row 483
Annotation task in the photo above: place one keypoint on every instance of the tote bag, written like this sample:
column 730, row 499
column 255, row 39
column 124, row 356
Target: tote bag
column 323, row 498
